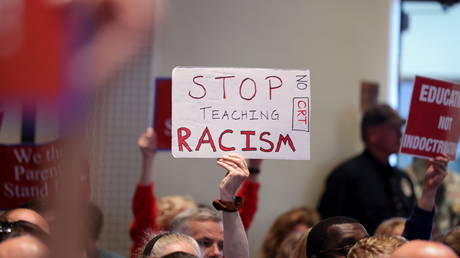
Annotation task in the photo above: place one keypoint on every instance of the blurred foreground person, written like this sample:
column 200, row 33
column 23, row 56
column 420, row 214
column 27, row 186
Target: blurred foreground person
column 424, row 249
column 28, row 215
column 22, row 240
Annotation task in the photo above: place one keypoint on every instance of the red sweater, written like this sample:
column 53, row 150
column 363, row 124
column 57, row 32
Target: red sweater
column 145, row 211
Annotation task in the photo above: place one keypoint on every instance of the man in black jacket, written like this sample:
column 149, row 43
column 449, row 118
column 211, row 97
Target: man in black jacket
column 366, row 187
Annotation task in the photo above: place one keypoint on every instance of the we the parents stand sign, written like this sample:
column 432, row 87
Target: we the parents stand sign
column 259, row 113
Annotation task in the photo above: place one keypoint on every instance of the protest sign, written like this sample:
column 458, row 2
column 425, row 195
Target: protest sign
column 162, row 113
column 30, row 172
column 259, row 113
column 431, row 128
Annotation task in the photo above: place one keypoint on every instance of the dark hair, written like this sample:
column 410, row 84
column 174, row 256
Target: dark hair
column 38, row 205
column 19, row 228
column 179, row 255
column 377, row 115
column 317, row 238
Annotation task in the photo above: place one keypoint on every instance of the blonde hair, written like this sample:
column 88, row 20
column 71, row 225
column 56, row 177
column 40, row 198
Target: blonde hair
column 162, row 240
column 387, row 227
column 299, row 250
column 284, row 225
column 169, row 207
column 376, row 246
column 452, row 240
column 288, row 244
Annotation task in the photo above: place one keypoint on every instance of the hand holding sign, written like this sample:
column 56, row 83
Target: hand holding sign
column 430, row 128
column 434, row 176
column 237, row 172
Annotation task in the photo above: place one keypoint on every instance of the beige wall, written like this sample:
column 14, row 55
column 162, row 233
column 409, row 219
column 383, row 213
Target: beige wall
column 342, row 42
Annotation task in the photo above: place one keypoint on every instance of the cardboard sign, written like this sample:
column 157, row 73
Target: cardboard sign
column 162, row 113
column 31, row 172
column 259, row 113
column 432, row 127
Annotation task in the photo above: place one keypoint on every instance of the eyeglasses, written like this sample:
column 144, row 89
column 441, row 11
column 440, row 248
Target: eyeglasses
column 6, row 227
column 339, row 250
column 207, row 243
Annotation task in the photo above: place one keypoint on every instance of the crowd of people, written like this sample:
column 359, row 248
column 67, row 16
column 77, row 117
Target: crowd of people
column 368, row 209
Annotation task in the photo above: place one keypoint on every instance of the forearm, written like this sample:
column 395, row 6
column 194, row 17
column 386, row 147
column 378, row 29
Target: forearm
column 427, row 200
column 235, row 239
column 146, row 171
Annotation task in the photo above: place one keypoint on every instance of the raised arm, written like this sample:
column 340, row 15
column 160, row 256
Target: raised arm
column 235, row 240
column 144, row 202
column 420, row 223
column 148, row 146
column 250, row 193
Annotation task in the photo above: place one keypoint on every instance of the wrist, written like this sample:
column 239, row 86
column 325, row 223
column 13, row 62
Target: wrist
column 225, row 196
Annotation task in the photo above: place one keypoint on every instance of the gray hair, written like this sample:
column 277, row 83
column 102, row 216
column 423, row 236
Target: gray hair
column 179, row 223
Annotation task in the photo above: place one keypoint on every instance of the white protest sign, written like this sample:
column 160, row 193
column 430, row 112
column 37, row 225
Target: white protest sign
column 259, row 113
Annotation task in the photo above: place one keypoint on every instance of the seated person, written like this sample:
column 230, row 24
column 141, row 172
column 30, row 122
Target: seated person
column 150, row 216
column 216, row 237
column 391, row 227
column 296, row 220
column 333, row 237
column 168, row 243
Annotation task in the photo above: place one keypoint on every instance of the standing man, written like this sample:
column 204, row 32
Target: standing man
column 366, row 187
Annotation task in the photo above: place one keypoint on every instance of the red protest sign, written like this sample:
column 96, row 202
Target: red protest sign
column 31, row 172
column 162, row 113
column 431, row 129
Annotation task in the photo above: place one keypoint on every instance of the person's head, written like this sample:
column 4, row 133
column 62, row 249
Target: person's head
column 298, row 219
column 452, row 239
column 424, row 249
column 170, row 206
column 179, row 255
column 42, row 207
column 290, row 242
column 170, row 243
column 333, row 237
column 300, row 249
column 376, row 247
column 381, row 129
column 205, row 226
column 23, row 214
column 391, row 227
column 22, row 239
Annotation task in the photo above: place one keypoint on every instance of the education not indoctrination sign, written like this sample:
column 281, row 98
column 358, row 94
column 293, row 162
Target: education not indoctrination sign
column 432, row 127
column 259, row 113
